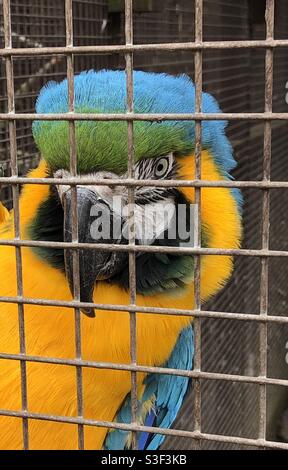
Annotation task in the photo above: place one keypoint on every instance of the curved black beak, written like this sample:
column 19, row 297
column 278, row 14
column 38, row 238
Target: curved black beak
column 96, row 221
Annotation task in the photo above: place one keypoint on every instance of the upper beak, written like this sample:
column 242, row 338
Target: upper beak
column 93, row 264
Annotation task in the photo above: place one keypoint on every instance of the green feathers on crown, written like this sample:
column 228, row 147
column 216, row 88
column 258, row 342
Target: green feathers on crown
column 103, row 145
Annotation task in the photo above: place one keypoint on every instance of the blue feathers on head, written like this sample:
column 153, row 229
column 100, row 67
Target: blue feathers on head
column 105, row 143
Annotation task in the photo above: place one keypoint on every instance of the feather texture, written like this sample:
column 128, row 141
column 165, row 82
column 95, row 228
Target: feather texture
column 4, row 214
column 104, row 144
column 161, row 400
column 50, row 330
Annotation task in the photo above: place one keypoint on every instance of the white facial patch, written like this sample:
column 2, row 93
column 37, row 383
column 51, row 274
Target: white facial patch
column 154, row 210
column 103, row 192
column 150, row 220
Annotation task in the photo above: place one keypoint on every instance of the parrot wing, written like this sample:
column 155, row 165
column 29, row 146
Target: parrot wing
column 160, row 402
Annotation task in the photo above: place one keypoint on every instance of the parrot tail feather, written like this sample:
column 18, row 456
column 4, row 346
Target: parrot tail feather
column 160, row 402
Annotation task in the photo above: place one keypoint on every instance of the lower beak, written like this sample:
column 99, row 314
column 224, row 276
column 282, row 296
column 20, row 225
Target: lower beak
column 93, row 264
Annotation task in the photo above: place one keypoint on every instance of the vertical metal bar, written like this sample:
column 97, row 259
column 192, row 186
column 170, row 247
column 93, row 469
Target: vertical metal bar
column 269, row 15
column 197, row 275
column 17, row 227
column 131, row 201
column 75, row 254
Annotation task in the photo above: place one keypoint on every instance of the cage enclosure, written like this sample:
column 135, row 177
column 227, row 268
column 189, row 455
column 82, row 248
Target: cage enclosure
column 232, row 343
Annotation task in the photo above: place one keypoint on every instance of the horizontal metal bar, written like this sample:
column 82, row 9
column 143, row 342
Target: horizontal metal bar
column 164, row 47
column 282, row 319
column 265, row 116
column 132, row 427
column 86, row 180
column 144, row 248
column 195, row 374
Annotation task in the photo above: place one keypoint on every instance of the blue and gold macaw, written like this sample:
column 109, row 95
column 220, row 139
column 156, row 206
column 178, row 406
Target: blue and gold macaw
column 163, row 150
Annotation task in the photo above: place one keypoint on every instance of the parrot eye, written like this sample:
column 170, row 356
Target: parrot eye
column 163, row 166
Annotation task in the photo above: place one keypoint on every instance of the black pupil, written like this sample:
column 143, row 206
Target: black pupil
column 160, row 167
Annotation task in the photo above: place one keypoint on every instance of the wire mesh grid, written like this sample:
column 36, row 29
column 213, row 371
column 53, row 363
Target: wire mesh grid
column 68, row 49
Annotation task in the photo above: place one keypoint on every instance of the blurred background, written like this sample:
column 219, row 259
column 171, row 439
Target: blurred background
column 236, row 78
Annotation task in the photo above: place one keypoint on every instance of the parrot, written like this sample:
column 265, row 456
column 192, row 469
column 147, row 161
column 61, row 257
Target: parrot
column 4, row 214
column 163, row 151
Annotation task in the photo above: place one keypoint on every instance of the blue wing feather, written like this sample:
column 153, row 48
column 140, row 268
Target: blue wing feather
column 165, row 391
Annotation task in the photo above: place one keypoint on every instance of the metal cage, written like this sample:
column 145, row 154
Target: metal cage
column 238, row 53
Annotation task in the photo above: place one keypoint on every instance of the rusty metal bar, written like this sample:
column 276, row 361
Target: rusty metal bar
column 73, row 181
column 131, row 202
column 145, row 117
column 264, row 283
column 197, row 228
column 166, row 432
column 155, row 310
column 263, row 319
column 75, row 254
column 17, row 228
column 145, row 248
column 165, row 47
column 147, row 369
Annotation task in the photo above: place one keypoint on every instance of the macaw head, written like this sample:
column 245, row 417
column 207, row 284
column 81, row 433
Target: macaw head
column 163, row 150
